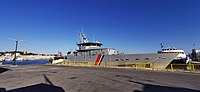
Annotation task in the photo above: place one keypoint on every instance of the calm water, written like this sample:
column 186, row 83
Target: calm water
column 25, row 62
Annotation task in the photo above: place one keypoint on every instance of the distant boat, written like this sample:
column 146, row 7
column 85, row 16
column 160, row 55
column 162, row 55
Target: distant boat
column 19, row 58
column 8, row 57
column 56, row 61
column 58, row 58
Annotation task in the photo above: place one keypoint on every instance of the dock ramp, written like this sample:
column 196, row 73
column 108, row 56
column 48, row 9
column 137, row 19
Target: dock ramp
column 163, row 61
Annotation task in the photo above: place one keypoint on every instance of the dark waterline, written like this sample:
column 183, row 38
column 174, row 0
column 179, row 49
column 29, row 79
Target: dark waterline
column 25, row 62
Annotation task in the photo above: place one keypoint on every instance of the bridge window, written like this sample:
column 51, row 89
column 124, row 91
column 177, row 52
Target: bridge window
column 137, row 59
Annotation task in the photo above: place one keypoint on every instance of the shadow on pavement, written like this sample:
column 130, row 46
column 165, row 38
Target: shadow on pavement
column 38, row 88
column 2, row 70
column 47, row 80
column 42, row 87
column 157, row 88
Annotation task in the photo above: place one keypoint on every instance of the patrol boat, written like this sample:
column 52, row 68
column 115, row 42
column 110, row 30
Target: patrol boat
column 88, row 51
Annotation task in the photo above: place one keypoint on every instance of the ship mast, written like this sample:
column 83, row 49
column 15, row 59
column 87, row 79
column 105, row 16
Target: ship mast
column 83, row 38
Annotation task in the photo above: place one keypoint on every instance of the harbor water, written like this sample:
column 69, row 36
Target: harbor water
column 25, row 62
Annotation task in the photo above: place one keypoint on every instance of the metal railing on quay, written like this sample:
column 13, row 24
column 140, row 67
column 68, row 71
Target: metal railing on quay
column 113, row 64
column 136, row 65
column 184, row 67
column 142, row 66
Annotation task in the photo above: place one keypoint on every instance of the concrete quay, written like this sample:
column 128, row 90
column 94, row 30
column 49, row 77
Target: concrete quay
column 54, row 78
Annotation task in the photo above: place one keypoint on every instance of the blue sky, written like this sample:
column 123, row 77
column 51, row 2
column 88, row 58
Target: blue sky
column 131, row 26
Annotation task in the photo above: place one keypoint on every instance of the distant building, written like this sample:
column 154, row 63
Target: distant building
column 25, row 52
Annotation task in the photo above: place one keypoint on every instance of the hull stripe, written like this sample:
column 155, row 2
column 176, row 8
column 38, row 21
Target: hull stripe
column 99, row 60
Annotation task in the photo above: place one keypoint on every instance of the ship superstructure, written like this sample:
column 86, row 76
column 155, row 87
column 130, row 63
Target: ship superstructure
column 86, row 48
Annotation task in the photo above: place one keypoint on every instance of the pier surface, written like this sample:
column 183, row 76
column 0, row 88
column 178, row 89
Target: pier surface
column 52, row 78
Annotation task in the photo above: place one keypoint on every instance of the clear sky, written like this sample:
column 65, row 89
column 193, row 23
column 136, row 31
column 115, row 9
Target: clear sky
column 130, row 26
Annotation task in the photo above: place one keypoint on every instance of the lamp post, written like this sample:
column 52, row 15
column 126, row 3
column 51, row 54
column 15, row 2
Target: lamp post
column 17, row 41
column 16, row 45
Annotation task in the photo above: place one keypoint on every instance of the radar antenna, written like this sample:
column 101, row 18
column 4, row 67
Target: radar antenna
column 83, row 37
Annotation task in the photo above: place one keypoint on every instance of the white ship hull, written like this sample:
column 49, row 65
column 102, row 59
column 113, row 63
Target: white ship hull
column 57, row 61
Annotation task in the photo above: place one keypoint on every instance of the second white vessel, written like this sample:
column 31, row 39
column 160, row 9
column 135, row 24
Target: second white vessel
column 181, row 58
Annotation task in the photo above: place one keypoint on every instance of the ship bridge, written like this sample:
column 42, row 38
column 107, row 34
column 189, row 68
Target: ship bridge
column 90, row 44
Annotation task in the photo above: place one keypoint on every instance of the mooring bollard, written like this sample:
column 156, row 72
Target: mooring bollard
column 172, row 68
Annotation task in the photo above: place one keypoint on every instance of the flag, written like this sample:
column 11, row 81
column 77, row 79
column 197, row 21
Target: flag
column 161, row 45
